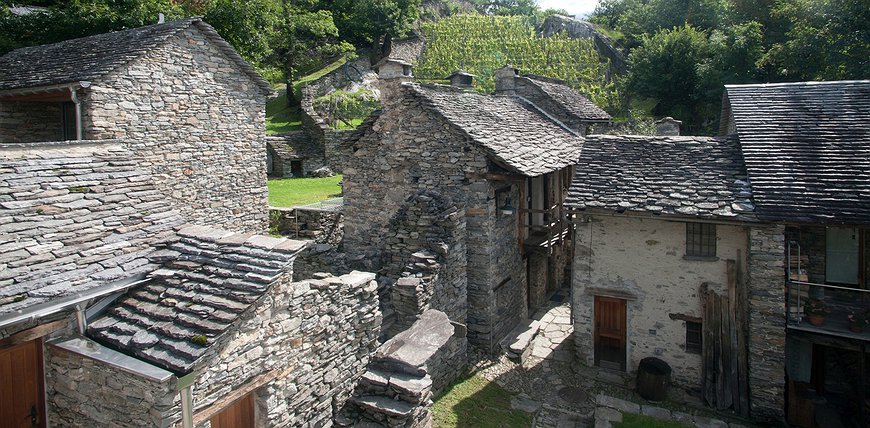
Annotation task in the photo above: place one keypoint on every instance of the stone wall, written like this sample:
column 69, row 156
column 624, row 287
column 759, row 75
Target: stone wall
column 410, row 149
column 30, row 122
column 409, row 49
column 322, row 227
column 642, row 261
column 286, row 148
column 767, row 323
column 318, row 333
column 199, row 123
column 84, row 392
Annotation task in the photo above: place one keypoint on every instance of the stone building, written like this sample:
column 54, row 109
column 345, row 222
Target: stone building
column 177, row 94
column 292, row 154
column 736, row 238
column 495, row 166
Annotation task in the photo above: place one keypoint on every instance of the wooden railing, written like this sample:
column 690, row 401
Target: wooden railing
column 828, row 309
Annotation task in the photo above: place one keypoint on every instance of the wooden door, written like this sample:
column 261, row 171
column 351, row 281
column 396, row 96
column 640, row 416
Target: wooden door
column 21, row 386
column 610, row 333
column 240, row 414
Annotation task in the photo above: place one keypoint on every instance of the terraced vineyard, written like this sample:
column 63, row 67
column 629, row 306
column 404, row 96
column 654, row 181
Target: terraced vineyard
column 481, row 44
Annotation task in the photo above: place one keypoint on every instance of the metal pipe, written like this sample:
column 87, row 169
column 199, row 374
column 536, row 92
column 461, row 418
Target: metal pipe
column 78, row 104
column 81, row 318
column 186, row 407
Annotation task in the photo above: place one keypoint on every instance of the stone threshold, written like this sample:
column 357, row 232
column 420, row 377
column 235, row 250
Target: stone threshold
column 609, row 410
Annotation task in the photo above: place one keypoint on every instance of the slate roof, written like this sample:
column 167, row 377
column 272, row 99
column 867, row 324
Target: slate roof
column 89, row 58
column 294, row 145
column 514, row 134
column 73, row 217
column 569, row 99
column 698, row 177
column 209, row 278
column 807, row 149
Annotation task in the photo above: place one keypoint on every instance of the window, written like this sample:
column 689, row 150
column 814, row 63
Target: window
column 700, row 240
column 694, row 338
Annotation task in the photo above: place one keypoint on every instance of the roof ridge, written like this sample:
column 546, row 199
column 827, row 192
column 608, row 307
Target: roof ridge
column 805, row 83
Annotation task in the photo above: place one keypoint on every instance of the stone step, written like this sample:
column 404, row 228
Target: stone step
column 384, row 405
column 518, row 342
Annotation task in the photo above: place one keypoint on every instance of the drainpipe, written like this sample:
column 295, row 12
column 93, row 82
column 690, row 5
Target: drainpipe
column 185, row 388
column 75, row 99
column 81, row 318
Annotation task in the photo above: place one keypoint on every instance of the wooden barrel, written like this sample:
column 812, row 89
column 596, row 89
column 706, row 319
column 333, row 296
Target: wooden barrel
column 653, row 377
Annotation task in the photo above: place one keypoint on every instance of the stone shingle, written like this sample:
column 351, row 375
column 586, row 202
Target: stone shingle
column 569, row 99
column 807, row 149
column 197, row 295
column 89, row 58
column 515, row 135
column 62, row 239
column 677, row 176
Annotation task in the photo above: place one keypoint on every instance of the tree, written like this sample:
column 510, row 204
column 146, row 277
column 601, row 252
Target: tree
column 825, row 39
column 363, row 22
column 251, row 26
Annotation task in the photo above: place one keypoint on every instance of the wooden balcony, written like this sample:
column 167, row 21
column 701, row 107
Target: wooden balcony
column 838, row 301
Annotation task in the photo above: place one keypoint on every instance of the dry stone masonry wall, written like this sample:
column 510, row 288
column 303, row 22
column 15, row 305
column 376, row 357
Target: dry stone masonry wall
column 197, row 120
column 30, row 122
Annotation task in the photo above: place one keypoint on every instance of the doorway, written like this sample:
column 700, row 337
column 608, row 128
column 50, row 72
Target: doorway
column 610, row 329
column 240, row 414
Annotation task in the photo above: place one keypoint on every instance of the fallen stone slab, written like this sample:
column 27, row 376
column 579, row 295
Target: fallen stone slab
column 617, row 403
column 384, row 405
column 410, row 350
column 525, row 404
column 608, row 414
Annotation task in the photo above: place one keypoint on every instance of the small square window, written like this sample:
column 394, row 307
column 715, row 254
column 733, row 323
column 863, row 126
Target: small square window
column 694, row 337
column 700, row 240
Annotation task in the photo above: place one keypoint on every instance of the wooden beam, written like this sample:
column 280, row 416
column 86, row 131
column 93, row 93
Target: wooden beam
column 33, row 333
column 684, row 317
column 495, row 176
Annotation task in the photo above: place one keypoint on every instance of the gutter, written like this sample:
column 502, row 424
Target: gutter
column 42, row 310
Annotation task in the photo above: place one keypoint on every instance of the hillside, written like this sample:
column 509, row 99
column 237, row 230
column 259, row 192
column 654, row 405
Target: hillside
column 481, row 44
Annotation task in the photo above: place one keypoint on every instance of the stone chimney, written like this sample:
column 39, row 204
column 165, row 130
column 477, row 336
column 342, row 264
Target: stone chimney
column 504, row 80
column 392, row 72
column 668, row 126
column 461, row 79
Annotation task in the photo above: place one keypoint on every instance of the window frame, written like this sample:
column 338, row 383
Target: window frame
column 692, row 346
column 701, row 240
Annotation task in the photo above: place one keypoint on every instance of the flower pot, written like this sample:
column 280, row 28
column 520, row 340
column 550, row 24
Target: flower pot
column 855, row 328
column 816, row 319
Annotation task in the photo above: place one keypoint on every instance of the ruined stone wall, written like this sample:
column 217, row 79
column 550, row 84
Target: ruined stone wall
column 641, row 261
column 767, row 323
column 30, row 122
column 322, row 227
column 199, row 123
column 84, row 392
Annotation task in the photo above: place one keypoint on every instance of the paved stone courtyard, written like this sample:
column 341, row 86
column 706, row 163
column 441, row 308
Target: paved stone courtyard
column 560, row 393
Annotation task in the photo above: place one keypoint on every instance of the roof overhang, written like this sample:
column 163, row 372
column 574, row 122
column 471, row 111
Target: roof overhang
column 53, row 93
column 663, row 217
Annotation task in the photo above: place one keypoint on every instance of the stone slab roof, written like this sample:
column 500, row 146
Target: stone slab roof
column 807, row 149
column 673, row 176
column 569, row 99
column 209, row 278
column 515, row 135
column 293, row 145
column 73, row 217
column 89, row 58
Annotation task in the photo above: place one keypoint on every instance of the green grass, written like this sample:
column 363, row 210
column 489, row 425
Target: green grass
column 280, row 117
column 631, row 420
column 288, row 192
column 476, row 402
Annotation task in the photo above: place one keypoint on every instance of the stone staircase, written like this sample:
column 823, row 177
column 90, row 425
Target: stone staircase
column 517, row 344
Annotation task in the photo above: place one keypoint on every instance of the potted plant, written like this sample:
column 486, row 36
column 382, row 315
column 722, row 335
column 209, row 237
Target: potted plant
column 858, row 320
column 816, row 310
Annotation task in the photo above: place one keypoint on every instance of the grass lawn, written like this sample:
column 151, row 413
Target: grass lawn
column 631, row 420
column 288, row 192
column 474, row 402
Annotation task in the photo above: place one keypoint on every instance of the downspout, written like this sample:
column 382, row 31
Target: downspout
column 75, row 99
column 185, row 388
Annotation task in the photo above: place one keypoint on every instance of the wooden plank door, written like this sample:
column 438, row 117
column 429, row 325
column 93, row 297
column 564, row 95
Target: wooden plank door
column 240, row 414
column 610, row 329
column 21, row 386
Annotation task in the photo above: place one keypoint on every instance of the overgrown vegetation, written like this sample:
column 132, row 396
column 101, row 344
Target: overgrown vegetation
column 481, row 44
column 476, row 402
column 289, row 192
column 684, row 51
